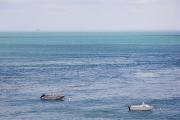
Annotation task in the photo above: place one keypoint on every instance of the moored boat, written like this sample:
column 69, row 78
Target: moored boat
column 142, row 107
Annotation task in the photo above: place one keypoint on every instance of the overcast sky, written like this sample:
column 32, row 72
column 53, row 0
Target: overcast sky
column 89, row 15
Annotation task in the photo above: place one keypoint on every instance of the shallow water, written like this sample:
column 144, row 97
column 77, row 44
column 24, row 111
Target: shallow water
column 99, row 73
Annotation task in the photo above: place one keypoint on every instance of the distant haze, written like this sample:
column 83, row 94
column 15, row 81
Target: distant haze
column 89, row 15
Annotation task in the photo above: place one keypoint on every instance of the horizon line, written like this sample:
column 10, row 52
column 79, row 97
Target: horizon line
column 90, row 31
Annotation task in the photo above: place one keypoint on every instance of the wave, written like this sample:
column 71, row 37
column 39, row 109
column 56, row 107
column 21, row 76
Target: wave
column 143, row 75
column 74, row 61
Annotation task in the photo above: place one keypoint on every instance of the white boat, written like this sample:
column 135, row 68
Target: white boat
column 142, row 107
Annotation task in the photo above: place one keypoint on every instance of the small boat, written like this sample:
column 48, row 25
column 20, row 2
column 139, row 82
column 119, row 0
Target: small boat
column 142, row 107
column 51, row 97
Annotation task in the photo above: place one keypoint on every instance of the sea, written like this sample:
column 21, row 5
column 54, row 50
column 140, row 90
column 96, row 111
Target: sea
column 100, row 74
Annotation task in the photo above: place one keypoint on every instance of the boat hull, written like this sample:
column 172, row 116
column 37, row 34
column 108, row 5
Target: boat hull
column 140, row 108
column 51, row 98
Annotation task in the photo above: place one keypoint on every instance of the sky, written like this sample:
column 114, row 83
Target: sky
column 90, row 15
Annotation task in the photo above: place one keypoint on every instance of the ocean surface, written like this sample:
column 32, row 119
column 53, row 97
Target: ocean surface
column 100, row 73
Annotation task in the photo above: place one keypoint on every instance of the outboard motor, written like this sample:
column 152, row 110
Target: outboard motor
column 42, row 95
column 129, row 107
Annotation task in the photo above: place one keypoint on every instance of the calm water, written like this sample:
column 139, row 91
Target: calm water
column 99, row 73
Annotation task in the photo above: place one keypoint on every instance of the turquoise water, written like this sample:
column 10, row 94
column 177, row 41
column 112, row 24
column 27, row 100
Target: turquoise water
column 140, row 38
column 100, row 74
